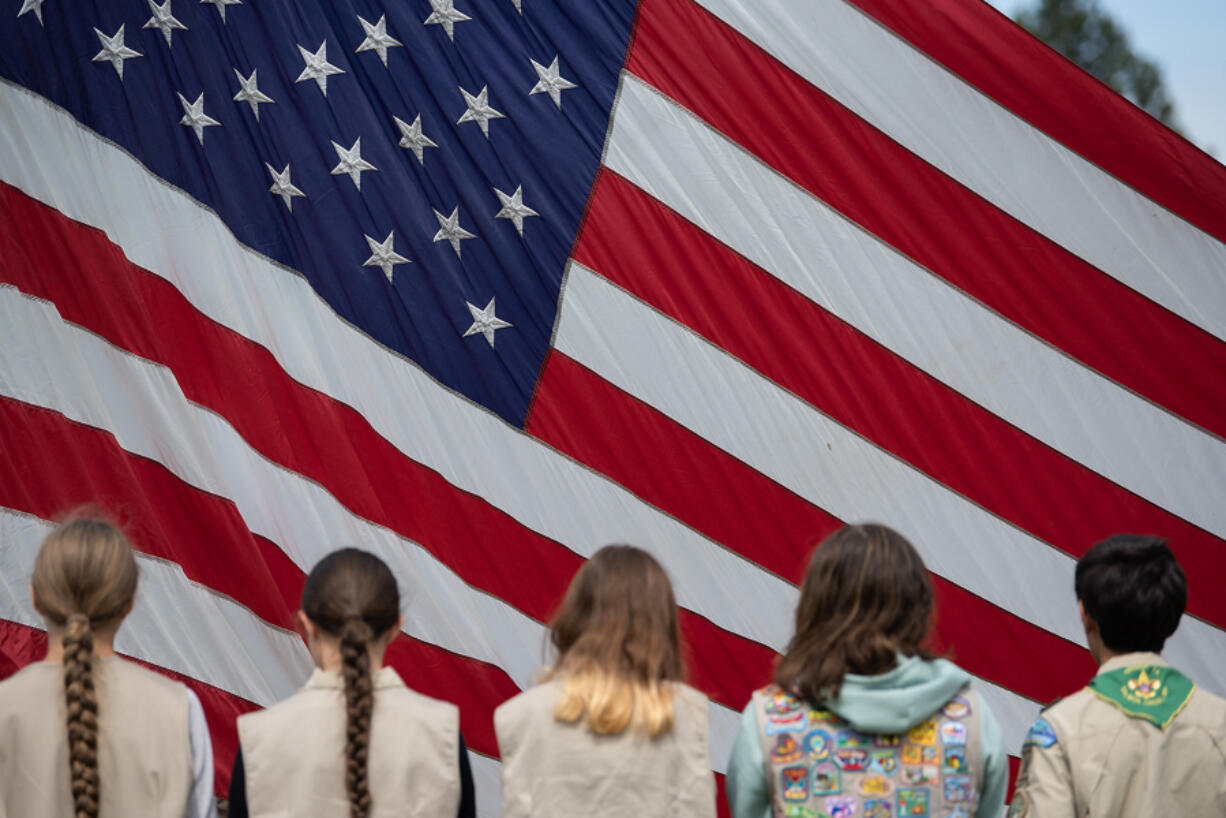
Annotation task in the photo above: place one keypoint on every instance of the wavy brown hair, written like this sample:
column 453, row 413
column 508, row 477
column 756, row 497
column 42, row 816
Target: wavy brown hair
column 866, row 597
column 84, row 577
column 618, row 643
column 352, row 595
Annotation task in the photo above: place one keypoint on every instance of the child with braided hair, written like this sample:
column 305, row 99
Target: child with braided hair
column 355, row 742
column 135, row 742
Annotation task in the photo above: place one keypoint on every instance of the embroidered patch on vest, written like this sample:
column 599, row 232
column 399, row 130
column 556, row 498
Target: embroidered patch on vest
column 923, row 733
column 827, row 780
column 958, row 788
column 1041, row 734
column 799, row 811
column 879, row 808
column 1151, row 692
column 817, row 744
column 957, row 708
column 1020, row 807
column 786, row 749
column 913, row 802
column 953, row 732
column 883, row 761
column 841, row 806
column 794, row 783
column 954, row 761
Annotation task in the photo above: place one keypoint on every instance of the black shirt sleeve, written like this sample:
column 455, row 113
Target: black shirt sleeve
column 468, row 800
column 238, row 788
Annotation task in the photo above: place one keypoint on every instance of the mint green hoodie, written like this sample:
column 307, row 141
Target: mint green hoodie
column 889, row 704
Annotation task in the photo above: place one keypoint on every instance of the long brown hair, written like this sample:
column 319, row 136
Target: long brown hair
column 618, row 643
column 866, row 597
column 84, row 577
column 352, row 595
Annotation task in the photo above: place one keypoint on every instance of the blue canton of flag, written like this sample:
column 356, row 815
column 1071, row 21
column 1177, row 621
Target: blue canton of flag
column 425, row 165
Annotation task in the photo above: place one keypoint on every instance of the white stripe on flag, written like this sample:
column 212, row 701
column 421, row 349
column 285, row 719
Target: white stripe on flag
column 941, row 118
column 714, row 183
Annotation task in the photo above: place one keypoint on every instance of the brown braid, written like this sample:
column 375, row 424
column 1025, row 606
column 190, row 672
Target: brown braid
column 82, row 715
column 359, row 701
column 352, row 596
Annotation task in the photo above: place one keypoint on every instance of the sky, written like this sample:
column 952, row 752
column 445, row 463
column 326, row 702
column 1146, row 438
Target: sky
column 1187, row 39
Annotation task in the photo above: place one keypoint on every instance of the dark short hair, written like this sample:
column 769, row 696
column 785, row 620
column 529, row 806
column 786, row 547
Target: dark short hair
column 1131, row 585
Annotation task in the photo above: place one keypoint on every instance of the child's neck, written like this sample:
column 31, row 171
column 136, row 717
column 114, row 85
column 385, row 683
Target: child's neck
column 104, row 643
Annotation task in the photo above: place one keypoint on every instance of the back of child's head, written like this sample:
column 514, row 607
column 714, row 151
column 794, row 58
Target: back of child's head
column 352, row 595
column 85, row 577
column 1135, row 591
column 866, row 597
column 619, row 643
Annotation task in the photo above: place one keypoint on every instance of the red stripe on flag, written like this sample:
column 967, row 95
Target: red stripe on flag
column 1008, row 64
column 600, row 425
column 642, row 246
column 96, row 287
column 907, row 203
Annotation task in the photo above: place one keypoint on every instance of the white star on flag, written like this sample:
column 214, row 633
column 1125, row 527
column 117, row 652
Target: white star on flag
column 413, row 138
column 220, row 5
column 447, row 15
column 352, row 163
column 35, row 6
column 194, row 116
column 114, row 51
column 513, row 208
column 377, row 38
column 479, row 110
column 317, row 67
column 485, row 322
column 163, row 19
column 449, row 230
column 283, row 187
column 550, row 81
column 250, row 92
column 384, row 256
column 519, row 5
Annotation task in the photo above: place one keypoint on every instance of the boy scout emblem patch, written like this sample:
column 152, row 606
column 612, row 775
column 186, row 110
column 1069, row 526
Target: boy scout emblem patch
column 958, row 708
column 827, row 779
column 817, row 744
column 958, row 788
column 795, row 781
column 923, row 733
column 841, row 806
column 1041, row 734
column 1154, row 693
column 953, row 732
column 955, row 760
column 786, row 749
column 879, row 808
column 913, row 802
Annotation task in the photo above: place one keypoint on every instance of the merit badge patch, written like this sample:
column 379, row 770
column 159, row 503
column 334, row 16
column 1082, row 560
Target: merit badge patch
column 931, row 755
column 957, row 812
column 850, row 738
column 822, row 717
column 875, row 786
column 913, row 802
column 957, row 708
column 953, row 732
column 794, row 783
column 1154, row 693
column 917, row 775
column 827, row 780
column 841, row 806
column 1041, row 734
column 879, row 808
column 817, row 744
column 786, row 723
column 780, row 703
column 912, row 754
column 954, row 761
column 883, row 761
column 924, row 733
column 786, row 749
column 958, row 788
column 852, row 760
column 798, row 811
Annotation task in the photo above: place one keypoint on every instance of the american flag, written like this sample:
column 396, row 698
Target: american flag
column 481, row 285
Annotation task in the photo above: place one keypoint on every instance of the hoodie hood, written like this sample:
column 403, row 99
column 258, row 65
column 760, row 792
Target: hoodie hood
column 890, row 703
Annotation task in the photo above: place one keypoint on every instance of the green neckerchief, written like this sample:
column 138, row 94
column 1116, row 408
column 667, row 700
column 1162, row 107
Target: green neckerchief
column 1153, row 692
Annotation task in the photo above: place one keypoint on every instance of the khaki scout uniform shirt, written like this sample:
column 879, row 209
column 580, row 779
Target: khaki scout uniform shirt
column 294, row 753
column 1165, row 754
column 555, row 770
column 144, row 752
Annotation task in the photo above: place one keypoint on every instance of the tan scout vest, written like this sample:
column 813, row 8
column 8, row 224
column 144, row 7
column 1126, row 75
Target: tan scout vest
column 818, row 766
column 1085, row 756
column 294, row 753
column 144, row 753
column 555, row 770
